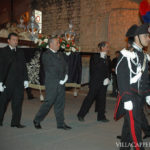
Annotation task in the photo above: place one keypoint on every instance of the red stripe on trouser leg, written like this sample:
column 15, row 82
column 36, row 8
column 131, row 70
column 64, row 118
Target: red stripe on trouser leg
column 133, row 130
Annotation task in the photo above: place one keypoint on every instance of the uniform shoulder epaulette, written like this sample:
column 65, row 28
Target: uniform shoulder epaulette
column 128, row 54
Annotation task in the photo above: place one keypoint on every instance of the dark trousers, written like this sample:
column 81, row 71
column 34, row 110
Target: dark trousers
column 54, row 97
column 29, row 93
column 145, row 124
column 114, row 85
column 132, row 127
column 95, row 93
column 16, row 98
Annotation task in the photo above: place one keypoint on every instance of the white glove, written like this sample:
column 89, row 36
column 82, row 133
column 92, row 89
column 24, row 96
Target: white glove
column 68, row 53
column 2, row 87
column 26, row 84
column 128, row 105
column 41, row 98
column 148, row 100
column 106, row 81
column 62, row 82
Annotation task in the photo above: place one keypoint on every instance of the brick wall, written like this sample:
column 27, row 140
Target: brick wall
column 56, row 17
column 93, row 20
column 107, row 20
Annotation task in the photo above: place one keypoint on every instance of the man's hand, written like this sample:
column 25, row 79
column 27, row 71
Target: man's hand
column 106, row 81
column 26, row 84
column 2, row 87
column 148, row 100
column 113, row 69
column 62, row 82
column 128, row 105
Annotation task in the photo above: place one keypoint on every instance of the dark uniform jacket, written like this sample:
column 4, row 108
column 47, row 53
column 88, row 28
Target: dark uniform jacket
column 127, row 91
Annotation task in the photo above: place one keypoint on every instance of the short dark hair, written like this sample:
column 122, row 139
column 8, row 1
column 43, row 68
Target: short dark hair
column 51, row 39
column 102, row 44
column 12, row 34
column 117, row 52
column 131, row 40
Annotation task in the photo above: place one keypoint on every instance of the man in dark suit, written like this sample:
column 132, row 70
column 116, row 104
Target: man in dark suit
column 13, row 79
column 56, row 71
column 99, row 80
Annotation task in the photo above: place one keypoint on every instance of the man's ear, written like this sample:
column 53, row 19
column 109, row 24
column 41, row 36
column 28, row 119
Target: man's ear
column 102, row 48
column 136, row 37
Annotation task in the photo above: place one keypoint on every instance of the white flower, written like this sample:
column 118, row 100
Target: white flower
column 46, row 40
column 79, row 49
column 47, row 46
column 40, row 42
column 63, row 46
column 73, row 49
column 36, row 41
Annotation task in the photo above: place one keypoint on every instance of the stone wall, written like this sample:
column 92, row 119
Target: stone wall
column 106, row 20
column 58, row 14
column 93, row 20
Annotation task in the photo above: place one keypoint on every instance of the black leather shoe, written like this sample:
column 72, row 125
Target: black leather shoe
column 37, row 125
column 80, row 118
column 18, row 126
column 146, row 136
column 119, row 137
column 65, row 127
column 103, row 120
column 30, row 97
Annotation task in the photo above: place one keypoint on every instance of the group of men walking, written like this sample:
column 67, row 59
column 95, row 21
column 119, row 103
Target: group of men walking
column 130, row 77
column 14, row 78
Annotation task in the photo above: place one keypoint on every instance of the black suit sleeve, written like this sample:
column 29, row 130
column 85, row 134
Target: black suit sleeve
column 113, row 64
column 66, row 60
column 109, row 66
column 95, row 59
column 1, row 65
column 66, row 69
column 25, row 68
column 123, row 78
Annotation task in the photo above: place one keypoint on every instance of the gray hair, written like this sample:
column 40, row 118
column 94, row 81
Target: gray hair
column 50, row 40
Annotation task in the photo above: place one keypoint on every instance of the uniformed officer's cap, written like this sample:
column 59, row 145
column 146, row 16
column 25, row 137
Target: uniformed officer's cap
column 137, row 30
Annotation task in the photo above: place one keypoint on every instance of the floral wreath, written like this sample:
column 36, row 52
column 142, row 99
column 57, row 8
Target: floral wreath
column 68, row 46
column 42, row 41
